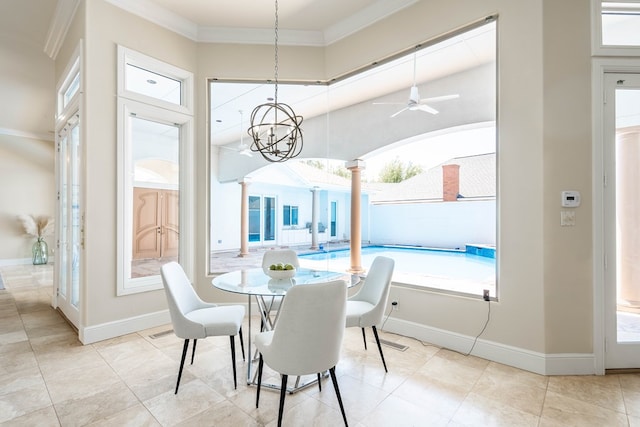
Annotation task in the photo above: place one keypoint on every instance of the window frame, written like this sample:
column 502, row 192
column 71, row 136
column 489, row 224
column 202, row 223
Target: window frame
column 134, row 104
column 288, row 214
column 597, row 47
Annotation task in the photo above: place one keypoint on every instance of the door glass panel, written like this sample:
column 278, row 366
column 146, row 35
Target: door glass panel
column 76, row 220
column 254, row 218
column 63, row 215
column 627, row 156
column 269, row 219
column 334, row 217
column 155, row 196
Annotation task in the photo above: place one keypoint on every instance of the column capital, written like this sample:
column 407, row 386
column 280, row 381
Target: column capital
column 355, row 164
column 244, row 180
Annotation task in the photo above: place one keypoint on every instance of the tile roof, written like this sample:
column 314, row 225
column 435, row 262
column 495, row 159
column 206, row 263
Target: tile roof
column 477, row 180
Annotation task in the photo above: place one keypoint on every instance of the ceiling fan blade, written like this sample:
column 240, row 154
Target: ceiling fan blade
column 395, row 114
column 388, row 103
column 426, row 108
column 440, row 98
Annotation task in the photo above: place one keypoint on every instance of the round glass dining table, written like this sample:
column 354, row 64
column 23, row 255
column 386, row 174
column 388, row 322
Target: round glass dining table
column 256, row 283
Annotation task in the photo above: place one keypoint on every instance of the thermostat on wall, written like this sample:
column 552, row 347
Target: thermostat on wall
column 570, row 199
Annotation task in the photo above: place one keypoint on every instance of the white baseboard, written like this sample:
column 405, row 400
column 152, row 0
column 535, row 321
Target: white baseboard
column 539, row 363
column 92, row 334
column 15, row 261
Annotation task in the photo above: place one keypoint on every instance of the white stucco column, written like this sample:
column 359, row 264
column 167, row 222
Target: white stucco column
column 315, row 209
column 356, row 167
column 244, row 217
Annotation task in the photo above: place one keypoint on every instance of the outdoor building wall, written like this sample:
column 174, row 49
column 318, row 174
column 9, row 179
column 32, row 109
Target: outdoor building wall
column 225, row 220
column 436, row 225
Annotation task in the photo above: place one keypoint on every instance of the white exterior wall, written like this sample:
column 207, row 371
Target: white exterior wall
column 449, row 225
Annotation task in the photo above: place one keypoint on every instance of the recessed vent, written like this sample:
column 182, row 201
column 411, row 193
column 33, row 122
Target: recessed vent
column 161, row 334
column 394, row 345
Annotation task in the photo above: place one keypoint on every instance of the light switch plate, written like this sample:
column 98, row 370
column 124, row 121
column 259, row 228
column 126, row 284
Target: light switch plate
column 567, row 218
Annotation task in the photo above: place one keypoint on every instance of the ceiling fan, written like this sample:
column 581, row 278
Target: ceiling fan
column 415, row 102
column 242, row 148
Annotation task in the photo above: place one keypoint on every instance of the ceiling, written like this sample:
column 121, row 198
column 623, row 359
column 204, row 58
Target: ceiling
column 300, row 22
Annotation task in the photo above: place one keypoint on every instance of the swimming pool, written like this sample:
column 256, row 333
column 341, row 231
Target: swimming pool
column 454, row 265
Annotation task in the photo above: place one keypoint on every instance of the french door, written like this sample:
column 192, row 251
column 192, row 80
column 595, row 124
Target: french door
column 622, row 220
column 70, row 237
column 262, row 219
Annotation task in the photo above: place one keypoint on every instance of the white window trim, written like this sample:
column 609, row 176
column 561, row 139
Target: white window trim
column 126, row 109
column 128, row 56
column 165, row 112
column 597, row 48
column 63, row 114
column 600, row 67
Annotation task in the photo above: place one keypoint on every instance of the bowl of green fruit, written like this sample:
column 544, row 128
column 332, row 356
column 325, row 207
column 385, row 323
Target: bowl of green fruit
column 280, row 271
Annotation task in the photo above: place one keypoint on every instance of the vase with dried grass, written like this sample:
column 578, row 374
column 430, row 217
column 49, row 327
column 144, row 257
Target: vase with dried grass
column 38, row 227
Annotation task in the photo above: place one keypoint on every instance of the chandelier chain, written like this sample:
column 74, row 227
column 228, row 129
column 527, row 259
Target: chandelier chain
column 276, row 56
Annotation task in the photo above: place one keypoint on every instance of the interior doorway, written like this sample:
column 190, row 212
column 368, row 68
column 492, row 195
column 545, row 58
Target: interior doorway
column 622, row 220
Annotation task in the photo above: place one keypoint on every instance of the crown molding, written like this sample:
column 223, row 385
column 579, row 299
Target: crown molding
column 59, row 25
column 150, row 11
column 158, row 15
column 260, row 36
column 364, row 18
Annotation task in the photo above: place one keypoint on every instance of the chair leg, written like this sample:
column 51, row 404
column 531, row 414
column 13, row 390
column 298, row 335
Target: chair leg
column 260, row 364
column 241, row 342
column 233, row 360
column 184, row 354
column 332, row 371
column 375, row 332
column 283, row 393
column 364, row 338
column 319, row 383
column 193, row 352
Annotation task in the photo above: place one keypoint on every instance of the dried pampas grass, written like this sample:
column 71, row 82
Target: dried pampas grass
column 36, row 227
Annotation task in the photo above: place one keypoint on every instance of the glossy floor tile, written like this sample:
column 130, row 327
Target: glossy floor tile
column 48, row 378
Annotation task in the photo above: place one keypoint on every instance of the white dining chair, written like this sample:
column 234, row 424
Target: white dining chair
column 307, row 337
column 194, row 319
column 366, row 308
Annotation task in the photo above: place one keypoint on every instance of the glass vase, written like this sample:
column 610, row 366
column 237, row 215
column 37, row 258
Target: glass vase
column 40, row 252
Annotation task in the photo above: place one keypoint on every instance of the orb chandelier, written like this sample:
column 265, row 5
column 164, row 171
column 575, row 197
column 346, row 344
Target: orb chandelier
column 274, row 126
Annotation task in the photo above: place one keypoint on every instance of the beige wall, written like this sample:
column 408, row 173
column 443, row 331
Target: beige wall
column 27, row 186
column 545, row 283
column 568, row 281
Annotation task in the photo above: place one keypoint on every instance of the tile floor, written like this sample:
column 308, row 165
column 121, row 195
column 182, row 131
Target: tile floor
column 47, row 378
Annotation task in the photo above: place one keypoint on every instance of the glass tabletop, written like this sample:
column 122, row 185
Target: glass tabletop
column 255, row 281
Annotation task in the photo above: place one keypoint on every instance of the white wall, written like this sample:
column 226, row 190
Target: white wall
column 449, row 225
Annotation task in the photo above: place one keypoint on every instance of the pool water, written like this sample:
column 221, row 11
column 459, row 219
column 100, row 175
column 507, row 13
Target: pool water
column 415, row 261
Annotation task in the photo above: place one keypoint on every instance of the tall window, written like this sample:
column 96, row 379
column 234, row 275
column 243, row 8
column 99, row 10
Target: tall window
column 155, row 145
